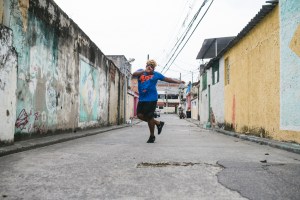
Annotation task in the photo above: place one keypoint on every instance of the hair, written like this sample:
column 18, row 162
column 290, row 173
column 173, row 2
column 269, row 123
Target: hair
column 152, row 62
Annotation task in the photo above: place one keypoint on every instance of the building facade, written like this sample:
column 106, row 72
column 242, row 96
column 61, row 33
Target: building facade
column 260, row 75
column 168, row 97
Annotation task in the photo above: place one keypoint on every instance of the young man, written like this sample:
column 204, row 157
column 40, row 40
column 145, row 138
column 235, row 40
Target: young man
column 147, row 80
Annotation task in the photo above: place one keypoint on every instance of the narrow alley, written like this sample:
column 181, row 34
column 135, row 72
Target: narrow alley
column 185, row 162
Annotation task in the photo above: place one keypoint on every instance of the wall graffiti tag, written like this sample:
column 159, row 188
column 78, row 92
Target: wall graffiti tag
column 26, row 121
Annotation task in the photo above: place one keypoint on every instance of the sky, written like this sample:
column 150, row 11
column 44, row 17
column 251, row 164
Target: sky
column 151, row 28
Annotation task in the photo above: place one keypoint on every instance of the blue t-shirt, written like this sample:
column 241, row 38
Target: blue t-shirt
column 147, row 86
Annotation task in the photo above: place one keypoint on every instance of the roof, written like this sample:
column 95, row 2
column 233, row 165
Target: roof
column 213, row 46
column 264, row 11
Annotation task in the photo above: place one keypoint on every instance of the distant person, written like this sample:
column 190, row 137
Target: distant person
column 147, row 80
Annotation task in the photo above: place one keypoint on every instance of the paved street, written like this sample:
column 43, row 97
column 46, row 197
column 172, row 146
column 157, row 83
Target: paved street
column 185, row 162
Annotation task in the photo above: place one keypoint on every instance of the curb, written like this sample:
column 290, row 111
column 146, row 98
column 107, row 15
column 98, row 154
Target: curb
column 291, row 147
column 50, row 140
column 287, row 146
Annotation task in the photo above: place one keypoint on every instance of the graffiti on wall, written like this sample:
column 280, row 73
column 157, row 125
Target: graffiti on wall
column 289, row 65
column 30, row 121
column 37, row 76
column 89, row 92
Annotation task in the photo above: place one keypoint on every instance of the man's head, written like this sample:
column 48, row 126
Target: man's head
column 150, row 66
column 151, row 63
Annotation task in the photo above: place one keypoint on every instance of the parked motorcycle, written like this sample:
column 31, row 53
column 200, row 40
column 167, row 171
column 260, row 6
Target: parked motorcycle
column 181, row 114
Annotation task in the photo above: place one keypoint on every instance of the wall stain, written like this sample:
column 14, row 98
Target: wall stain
column 23, row 6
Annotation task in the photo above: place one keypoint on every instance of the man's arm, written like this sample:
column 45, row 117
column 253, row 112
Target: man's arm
column 170, row 80
column 138, row 73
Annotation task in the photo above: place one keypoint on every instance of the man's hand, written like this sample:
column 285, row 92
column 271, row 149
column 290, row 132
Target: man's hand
column 138, row 73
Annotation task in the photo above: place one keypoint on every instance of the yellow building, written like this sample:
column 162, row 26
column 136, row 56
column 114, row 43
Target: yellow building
column 252, row 79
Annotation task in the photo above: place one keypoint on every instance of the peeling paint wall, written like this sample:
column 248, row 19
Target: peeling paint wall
column 8, row 80
column 63, row 81
column 252, row 97
column 290, row 65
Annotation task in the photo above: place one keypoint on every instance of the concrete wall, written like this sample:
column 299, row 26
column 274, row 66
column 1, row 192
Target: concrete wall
column 62, row 82
column 290, row 65
column 252, row 98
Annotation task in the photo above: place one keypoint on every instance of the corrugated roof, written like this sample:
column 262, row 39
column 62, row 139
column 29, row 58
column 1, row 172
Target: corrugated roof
column 212, row 47
column 264, row 11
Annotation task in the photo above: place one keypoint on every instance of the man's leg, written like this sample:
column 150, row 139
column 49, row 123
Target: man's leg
column 142, row 117
column 151, row 124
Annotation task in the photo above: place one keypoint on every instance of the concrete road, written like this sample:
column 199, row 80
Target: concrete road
column 185, row 162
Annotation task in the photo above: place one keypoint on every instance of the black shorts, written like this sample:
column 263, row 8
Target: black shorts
column 146, row 108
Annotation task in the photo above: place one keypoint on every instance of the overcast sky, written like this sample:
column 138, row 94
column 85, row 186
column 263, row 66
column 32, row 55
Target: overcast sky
column 138, row 28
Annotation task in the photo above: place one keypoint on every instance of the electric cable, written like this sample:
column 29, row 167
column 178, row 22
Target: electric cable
column 181, row 39
column 188, row 37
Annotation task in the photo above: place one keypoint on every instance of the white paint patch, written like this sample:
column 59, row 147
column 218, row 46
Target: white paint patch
column 50, row 98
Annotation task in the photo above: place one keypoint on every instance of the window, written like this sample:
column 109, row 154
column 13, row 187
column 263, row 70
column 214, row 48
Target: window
column 215, row 73
column 204, row 81
column 161, row 96
column 227, row 71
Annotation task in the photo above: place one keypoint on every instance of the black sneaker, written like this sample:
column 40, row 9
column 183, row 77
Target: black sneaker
column 151, row 139
column 160, row 126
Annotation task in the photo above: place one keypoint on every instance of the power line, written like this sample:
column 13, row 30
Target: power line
column 180, row 40
column 189, row 36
